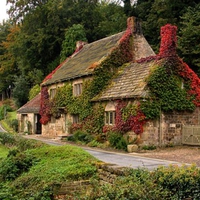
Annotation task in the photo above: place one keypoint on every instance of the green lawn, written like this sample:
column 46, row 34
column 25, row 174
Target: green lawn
column 3, row 151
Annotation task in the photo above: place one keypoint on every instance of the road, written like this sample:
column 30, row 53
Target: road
column 132, row 160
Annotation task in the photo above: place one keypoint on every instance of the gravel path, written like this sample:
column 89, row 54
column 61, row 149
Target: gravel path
column 182, row 154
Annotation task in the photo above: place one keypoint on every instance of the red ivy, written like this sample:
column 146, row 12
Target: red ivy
column 168, row 41
column 167, row 46
column 194, row 81
column 134, row 122
column 167, row 50
column 44, row 106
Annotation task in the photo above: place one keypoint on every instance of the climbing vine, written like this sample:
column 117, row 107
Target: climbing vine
column 129, row 117
column 45, row 106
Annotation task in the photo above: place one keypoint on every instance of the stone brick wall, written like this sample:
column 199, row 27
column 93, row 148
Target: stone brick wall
column 168, row 129
column 107, row 173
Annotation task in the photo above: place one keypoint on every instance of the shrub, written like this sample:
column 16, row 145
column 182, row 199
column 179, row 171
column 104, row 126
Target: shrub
column 14, row 165
column 149, row 147
column 3, row 111
column 81, row 136
column 14, row 125
column 181, row 182
column 117, row 141
column 7, row 139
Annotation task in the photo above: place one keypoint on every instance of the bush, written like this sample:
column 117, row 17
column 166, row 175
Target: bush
column 7, row 139
column 81, row 136
column 117, row 141
column 3, row 111
column 170, row 183
column 14, row 124
column 14, row 165
column 181, row 182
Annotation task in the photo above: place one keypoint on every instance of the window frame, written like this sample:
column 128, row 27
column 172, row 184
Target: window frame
column 77, row 89
column 110, row 117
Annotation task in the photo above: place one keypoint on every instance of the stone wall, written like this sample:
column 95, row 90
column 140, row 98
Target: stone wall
column 167, row 130
column 106, row 174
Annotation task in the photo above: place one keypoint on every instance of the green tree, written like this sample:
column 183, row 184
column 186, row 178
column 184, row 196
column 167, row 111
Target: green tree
column 34, row 91
column 189, row 35
column 20, row 91
column 72, row 35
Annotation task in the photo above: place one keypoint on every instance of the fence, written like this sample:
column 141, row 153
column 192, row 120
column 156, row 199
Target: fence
column 191, row 135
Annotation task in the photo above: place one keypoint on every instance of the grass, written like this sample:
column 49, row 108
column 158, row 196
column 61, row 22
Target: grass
column 51, row 166
column 6, row 122
column 3, row 151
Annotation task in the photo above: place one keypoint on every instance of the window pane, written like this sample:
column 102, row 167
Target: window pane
column 106, row 118
column 111, row 118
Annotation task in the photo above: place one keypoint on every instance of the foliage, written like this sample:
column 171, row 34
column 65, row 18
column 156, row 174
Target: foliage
column 117, row 140
column 129, row 117
column 189, row 34
column 75, row 164
column 20, row 95
column 3, row 111
column 14, row 165
column 7, row 139
column 14, row 124
column 34, row 91
column 3, row 151
column 181, row 182
column 81, row 136
column 72, row 35
column 165, row 85
column 45, row 106
column 169, row 183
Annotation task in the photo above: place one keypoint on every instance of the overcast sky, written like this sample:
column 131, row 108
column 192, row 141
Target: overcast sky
column 3, row 9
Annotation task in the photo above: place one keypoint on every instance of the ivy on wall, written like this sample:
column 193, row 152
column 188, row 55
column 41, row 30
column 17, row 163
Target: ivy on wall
column 172, row 84
column 103, row 73
column 45, row 106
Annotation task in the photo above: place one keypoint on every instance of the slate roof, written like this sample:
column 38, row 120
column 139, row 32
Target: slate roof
column 129, row 84
column 78, row 65
column 32, row 106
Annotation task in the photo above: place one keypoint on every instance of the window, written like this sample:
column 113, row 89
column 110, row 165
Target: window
column 110, row 118
column 76, row 119
column 52, row 93
column 77, row 89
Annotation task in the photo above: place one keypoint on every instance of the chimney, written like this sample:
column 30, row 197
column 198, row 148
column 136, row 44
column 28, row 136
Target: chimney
column 134, row 24
column 168, row 41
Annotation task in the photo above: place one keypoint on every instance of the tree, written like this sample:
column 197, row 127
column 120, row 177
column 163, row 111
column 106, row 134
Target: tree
column 20, row 95
column 72, row 35
column 189, row 35
column 158, row 13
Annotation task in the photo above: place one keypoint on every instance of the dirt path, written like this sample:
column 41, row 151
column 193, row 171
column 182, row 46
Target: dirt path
column 182, row 154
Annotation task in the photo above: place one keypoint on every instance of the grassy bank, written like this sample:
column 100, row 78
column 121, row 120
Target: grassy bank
column 32, row 169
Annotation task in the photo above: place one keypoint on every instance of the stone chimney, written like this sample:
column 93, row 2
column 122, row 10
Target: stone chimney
column 168, row 41
column 135, row 25
column 80, row 44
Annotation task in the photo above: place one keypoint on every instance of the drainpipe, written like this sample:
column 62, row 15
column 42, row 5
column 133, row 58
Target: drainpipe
column 160, row 131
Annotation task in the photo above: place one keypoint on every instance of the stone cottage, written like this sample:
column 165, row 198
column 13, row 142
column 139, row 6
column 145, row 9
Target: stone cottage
column 119, row 84
column 119, row 49
column 29, row 117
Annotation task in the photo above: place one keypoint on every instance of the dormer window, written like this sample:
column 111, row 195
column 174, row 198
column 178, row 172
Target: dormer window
column 77, row 89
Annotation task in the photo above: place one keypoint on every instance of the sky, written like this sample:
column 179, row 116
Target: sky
column 3, row 9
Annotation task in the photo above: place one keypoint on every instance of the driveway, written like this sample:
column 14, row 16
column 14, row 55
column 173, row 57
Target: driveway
column 132, row 160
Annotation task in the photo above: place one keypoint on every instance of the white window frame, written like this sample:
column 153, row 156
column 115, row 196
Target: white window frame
column 77, row 89
column 110, row 117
